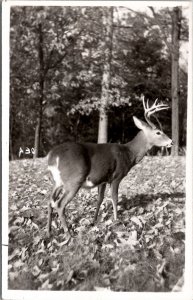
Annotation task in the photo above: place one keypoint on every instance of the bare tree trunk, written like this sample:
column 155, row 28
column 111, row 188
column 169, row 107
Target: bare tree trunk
column 173, row 48
column 11, row 154
column 123, row 128
column 76, row 128
column 176, row 24
column 106, row 79
column 41, row 81
column 37, row 137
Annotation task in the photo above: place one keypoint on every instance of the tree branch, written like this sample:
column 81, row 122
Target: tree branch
column 59, row 60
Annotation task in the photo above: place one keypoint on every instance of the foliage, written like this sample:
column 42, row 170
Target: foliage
column 73, row 59
column 143, row 251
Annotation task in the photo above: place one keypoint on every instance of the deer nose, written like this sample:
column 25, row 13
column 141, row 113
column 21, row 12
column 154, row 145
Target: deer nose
column 172, row 143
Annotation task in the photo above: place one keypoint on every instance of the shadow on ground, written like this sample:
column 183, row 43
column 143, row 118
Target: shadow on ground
column 143, row 200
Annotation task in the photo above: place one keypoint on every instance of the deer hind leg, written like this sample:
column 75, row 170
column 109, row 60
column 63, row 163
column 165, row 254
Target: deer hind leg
column 55, row 194
column 56, row 178
column 61, row 204
column 101, row 192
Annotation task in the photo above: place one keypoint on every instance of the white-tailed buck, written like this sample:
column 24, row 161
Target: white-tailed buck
column 87, row 165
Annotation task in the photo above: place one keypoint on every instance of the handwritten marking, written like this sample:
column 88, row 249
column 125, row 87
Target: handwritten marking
column 26, row 151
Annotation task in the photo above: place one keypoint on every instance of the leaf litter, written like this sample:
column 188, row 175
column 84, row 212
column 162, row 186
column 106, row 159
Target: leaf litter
column 142, row 251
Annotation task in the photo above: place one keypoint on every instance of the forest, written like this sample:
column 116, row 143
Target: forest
column 69, row 66
column 80, row 74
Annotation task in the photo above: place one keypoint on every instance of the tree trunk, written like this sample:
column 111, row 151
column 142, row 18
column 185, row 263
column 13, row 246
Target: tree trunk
column 106, row 79
column 41, row 98
column 11, row 154
column 37, row 137
column 173, row 48
column 123, row 128
column 176, row 24
column 76, row 128
column 175, row 107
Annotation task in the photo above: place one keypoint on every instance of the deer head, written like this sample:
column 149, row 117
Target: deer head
column 154, row 136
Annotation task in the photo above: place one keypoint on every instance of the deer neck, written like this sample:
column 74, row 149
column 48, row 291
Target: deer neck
column 139, row 146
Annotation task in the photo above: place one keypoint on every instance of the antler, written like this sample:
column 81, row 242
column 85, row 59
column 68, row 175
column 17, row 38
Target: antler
column 148, row 111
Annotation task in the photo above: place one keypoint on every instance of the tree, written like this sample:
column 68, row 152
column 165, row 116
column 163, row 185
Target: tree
column 41, row 95
column 106, row 78
column 49, row 59
column 175, row 89
column 40, row 41
column 173, row 48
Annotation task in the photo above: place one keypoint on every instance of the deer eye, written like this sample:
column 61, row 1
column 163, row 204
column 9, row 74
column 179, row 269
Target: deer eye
column 158, row 132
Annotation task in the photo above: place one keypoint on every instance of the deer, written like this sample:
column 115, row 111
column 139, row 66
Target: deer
column 88, row 165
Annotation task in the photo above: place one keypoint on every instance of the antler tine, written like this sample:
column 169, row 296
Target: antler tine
column 156, row 100
column 154, row 109
column 157, row 107
column 147, row 104
column 148, row 111
column 143, row 99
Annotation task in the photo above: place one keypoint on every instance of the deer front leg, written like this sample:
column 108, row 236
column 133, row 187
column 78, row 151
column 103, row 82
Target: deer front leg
column 114, row 195
column 101, row 192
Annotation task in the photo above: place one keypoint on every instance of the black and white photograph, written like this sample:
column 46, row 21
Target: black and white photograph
column 97, row 116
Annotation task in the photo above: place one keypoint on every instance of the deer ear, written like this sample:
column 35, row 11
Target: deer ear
column 139, row 124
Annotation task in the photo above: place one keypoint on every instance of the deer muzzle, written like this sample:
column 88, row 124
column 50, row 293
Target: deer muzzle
column 170, row 144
